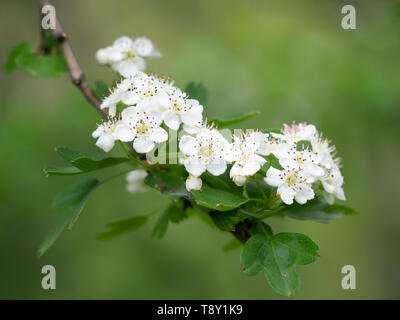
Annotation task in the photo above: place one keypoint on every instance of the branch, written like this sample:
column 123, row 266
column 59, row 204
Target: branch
column 77, row 76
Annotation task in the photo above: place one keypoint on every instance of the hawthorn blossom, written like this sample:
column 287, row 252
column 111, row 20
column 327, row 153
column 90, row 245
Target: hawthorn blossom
column 205, row 151
column 306, row 160
column 107, row 132
column 291, row 183
column 145, row 126
column 126, row 55
column 332, row 179
column 243, row 153
column 296, row 132
column 149, row 91
column 193, row 183
column 135, row 181
column 120, row 93
column 181, row 109
column 269, row 144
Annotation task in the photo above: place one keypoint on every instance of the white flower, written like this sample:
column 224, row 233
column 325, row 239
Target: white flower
column 296, row 132
column 126, row 55
column 306, row 160
column 324, row 150
column 149, row 91
column 181, row 109
column 135, row 181
column 272, row 145
column 146, row 128
column 121, row 92
column 112, row 130
column 291, row 183
column 332, row 182
column 243, row 152
column 193, row 183
column 205, row 151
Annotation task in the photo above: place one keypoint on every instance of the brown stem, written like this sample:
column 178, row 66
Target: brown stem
column 77, row 76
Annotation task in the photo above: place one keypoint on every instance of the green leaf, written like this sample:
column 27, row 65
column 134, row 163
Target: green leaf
column 122, row 226
column 305, row 249
column 233, row 244
column 228, row 120
column 278, row 255
column 101, row 89
column 174, row 214
column 223, row 220
column 218, row 199
column 317, row 209
column 197, row 91
column 62, row 171
column 88, row 162
column 70, row 203
column 42, row 66
column 167, row 183
column 19, row 50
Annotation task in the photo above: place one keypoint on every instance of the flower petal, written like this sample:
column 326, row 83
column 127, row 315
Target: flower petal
column 123, row 133
column 105, row 142
column 158, row 135
column 216, row 168
column 143, row 145
column 188, row 145
column 274, row 177
column 171, row 119
column 194, row 166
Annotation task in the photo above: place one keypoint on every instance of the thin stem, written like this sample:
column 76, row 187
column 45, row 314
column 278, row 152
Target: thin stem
column 261, row 189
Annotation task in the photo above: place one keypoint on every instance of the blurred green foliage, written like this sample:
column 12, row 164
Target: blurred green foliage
column 291, row 60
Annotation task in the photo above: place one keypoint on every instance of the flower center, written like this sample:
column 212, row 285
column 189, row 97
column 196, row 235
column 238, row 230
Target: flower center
column 176, row 107
column 130, row 55
column 205, row 151
column 291, row 180
column 142, row 128
column 147, row 94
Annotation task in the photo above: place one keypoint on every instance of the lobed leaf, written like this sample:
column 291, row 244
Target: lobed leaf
column 317, row 209
column 70, row 203
column 122, row 226
column 174, row 213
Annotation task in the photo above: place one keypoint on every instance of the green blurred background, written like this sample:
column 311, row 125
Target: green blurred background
column 289, row 59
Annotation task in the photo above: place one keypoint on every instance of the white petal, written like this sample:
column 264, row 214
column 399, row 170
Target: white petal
column 314, row 170
column 216, row 168
column 286, row 194
column 188, row 145
column 239, row 180
column 251, row 167
column 158, row 135
column 194, row 166
column 306, row 193
column 143, row 46
column 171, row 119
column 127, row 68
column 105, row 142
column 193, row 183
column 274, row 177
column 340, row 194
column 191, row 118
column 98, row 132
column 102, row 56
column 123, row 133
column 143, row 145
column 123, row 43
column 114, row 54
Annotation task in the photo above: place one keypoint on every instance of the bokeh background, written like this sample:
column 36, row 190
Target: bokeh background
column 289, row 59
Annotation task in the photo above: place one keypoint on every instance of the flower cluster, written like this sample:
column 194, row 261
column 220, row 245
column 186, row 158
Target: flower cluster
column 151, row 105
column 126, row 55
